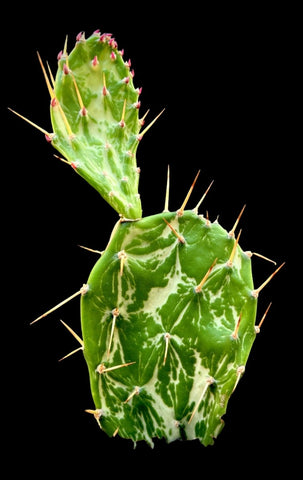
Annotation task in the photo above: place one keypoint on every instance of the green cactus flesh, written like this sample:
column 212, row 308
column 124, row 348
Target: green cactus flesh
column 168, row 312
column 180, row 345
column 94, row 113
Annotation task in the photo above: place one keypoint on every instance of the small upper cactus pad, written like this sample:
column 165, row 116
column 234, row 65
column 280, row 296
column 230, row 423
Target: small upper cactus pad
column 94, row 113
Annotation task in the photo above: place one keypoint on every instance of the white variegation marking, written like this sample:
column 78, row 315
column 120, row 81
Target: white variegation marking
column 180, row 340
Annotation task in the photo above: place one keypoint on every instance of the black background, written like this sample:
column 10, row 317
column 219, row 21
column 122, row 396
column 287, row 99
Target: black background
column 228, row 82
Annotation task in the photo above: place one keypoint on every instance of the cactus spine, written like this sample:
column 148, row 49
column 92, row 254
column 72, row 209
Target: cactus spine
column 168, row 314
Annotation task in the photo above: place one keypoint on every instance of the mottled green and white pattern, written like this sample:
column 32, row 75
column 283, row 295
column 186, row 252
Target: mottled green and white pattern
column 180, row 350
column 168, row 311
column 94, row 113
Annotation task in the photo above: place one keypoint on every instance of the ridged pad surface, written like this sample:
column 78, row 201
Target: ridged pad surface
column 189, row 347
column 94, row 115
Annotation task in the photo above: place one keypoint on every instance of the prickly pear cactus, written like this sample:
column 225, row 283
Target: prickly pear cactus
column 179, row 313
column 168, row 312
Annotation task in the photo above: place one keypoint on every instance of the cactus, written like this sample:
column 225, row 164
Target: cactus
column 168, row 313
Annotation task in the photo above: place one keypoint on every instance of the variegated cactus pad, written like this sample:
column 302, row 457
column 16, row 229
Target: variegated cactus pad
column 175, row 309
column 168, row 312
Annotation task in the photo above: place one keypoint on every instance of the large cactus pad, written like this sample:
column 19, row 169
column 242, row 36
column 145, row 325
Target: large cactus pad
column 168, row 322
